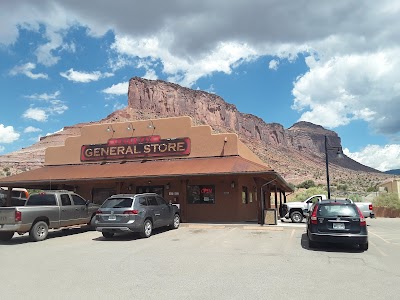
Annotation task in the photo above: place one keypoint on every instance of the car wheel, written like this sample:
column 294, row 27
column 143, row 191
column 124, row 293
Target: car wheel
column 92, row 222
column 175, row 222
column 364, row 247
column 6, row 236
column 108, row 235
column 39, row 231
column 296, row 217
column 147, row 229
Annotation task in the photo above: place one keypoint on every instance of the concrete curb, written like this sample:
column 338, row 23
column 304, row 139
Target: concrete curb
column 246, row 226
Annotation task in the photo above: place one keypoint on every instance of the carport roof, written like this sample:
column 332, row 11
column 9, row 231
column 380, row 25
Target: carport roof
column 227, row 165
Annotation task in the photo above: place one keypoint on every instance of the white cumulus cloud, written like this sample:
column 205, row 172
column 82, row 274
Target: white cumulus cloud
column 273, row 64
column 31, row 129
column 84, row 77
column 54, row 106
column 37, row 114
column 382, row 158
column 342, row 89
column 44, row 96
column 26, row 70
column 117, row 89
column 8, row 134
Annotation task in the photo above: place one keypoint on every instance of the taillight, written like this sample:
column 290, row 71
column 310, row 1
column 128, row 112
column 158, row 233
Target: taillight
column 314, row 215
column 18, row 216
column 362, row 219
column 98, row 212
column 131, row 212
column 370, row 207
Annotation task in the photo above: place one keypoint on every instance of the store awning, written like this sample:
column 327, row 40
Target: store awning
column 227, row 165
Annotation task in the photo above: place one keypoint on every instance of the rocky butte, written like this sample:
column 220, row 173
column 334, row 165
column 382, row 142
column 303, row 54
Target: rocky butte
column 297, row 153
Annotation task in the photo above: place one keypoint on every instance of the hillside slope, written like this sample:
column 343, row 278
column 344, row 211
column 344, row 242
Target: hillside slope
column 297, row 153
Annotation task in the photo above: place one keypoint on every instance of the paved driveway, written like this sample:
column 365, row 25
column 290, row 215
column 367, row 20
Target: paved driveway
column 201, row 261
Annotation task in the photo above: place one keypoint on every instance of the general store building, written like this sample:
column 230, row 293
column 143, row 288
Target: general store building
column 212, row 177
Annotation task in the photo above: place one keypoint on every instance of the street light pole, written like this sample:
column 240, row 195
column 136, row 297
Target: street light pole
column 327, row 167
column 339, row 155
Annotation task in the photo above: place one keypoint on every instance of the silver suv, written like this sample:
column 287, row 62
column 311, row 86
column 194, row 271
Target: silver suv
column 135, row 213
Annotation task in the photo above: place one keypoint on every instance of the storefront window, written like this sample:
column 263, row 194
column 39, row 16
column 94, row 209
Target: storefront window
column 201, row 194
column 158, row 189
column 101, row 194
column 245, row 196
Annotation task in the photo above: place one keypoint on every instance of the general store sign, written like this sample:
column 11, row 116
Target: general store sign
column 136, row 147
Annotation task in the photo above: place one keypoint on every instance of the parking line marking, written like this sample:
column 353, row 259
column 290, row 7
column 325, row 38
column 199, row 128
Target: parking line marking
column 380, row 237
column 292, row 234
column 379, row 250
column 262, row 228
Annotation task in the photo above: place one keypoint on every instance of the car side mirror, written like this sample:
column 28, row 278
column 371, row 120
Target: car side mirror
column 87, row 202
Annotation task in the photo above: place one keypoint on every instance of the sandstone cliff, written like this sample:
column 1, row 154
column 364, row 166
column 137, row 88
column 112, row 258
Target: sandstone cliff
column 297, row 153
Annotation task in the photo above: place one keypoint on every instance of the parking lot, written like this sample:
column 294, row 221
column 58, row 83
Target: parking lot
column 202, row 261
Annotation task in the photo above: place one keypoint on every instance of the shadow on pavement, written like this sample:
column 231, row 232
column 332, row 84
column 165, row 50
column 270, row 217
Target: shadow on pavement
column 58, row 233
column 329, row 247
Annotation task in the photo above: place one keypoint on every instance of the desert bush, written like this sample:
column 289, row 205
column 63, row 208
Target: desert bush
column 389, row 200
column 372, row 189
column 306, row 184
column 355, row 197
column 292, row 186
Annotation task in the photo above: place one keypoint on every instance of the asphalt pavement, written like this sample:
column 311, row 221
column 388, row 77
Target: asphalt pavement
column 202, row 261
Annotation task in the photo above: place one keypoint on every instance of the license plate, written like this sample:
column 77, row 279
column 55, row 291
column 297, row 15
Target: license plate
column 112, row 218
column 338, row 226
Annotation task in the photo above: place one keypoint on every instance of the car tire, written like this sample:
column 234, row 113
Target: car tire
column 6, row 236
column 296, row 216
column 108, row 235
column 92, row 223
column 364, row 247
column 147, row 229
column 39, row 231
column 175, row 222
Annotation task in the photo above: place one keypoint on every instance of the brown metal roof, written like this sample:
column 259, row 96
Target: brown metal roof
column 139, row 169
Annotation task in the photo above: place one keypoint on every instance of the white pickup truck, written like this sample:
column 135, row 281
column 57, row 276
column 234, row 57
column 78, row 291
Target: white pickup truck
column 295, row 210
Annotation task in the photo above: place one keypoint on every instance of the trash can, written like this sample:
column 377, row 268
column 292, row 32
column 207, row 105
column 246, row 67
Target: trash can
column 270, row 217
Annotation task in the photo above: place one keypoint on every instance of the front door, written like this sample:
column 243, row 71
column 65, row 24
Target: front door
column 165, row 209
column 67, row 211
column 81, row 209
column 156, row 211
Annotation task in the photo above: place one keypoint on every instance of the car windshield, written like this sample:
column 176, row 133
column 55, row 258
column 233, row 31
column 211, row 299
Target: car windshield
column 337, row 210
column 117, row 203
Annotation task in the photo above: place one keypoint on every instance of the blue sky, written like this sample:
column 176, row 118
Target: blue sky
column 332, row 64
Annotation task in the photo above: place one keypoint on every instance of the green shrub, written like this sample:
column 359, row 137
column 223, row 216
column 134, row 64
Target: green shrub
column 372, row 189
column 292, row 186
column 355, row 198
column 390, row 200
column 307, row 184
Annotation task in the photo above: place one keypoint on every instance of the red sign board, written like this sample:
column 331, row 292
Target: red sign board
column 136, row 147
